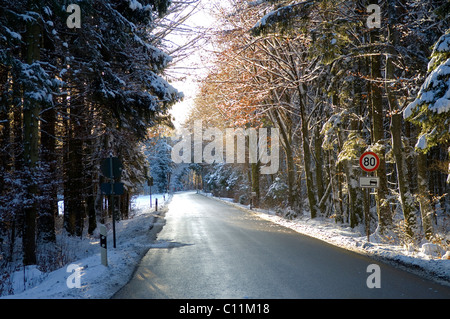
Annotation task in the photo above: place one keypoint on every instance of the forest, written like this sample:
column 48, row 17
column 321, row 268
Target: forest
column 80, row 81
column 336, row 78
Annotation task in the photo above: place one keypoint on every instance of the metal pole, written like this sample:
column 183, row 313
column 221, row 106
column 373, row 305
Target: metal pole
column 368, row 214
column 112, row 200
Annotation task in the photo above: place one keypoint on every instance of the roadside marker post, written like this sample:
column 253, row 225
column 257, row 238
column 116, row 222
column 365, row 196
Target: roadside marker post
column 103, row 246
column 150, row 184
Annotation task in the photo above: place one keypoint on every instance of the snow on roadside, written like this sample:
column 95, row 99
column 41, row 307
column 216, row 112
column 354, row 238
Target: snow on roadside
column 430, row 260
column 133, row 239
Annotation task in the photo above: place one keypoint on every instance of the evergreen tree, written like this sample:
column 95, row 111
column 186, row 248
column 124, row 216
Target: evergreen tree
column 159, row 154
column 430, row 111
column 69, row 97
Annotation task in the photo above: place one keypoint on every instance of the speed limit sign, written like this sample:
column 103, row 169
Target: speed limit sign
column 369, row 161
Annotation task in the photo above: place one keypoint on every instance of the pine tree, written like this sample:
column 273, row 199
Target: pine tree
column 63, row 93
column 122, row 81
column 430, row 111
column 431, row 107
column 160, row 162
column 31, row 109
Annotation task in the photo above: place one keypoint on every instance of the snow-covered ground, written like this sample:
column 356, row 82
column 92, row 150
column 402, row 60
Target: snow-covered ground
column 134, row 239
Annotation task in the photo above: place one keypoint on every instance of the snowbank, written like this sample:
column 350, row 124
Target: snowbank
column 133, row 238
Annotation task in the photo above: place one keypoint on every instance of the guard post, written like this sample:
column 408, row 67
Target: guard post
column 103, row 246
column 150, row 184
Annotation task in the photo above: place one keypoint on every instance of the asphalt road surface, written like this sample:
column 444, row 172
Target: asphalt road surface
column 209, row 249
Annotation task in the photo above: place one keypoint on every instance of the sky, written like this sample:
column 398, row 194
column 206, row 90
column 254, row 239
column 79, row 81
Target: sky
column 194, row 66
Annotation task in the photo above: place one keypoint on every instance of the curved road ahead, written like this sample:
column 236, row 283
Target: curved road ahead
column 208, row 249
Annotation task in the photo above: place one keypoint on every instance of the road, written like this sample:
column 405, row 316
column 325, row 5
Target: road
column 209, row 249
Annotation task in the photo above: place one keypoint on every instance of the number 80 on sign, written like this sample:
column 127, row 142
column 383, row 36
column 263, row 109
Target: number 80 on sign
column 369, row 161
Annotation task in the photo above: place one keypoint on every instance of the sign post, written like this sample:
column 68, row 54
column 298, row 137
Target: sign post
column 111, row 168
column 113, row 199
column 369, row 162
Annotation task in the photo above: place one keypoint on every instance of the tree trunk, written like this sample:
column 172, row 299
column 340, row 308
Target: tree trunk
column 5, row 133
column 319, row 164
column 406, row 200
column 17, row 151
column 334, row 187
column 49, row 205
column 74, row 212
column 31, row 111
column 426, row 211
column 6, row 213
column 286, row 142
column 125, row 203
column 383, row 210
column 307, row 157
column 91, row 176
column 255, row 182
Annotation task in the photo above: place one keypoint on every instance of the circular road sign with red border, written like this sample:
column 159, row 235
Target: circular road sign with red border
column 369, row 161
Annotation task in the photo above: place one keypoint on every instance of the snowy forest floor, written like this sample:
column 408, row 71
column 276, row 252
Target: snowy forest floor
column 134, row 238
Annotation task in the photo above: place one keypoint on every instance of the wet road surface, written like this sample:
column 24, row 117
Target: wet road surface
column 209, row 249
